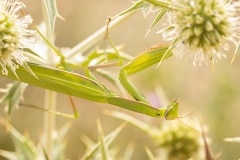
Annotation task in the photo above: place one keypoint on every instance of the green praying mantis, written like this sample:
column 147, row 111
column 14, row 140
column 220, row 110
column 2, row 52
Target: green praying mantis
column 88, row 88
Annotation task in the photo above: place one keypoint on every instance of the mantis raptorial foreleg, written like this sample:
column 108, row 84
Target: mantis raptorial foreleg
column 150, row 57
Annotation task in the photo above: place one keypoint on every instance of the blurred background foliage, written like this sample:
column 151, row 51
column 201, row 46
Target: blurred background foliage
column 210, row 91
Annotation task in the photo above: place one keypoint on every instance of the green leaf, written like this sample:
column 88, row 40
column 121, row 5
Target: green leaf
column 9, row 155
column 137, row 5
column 93, row 149
column 24, row 146
column 52, row 13
column 58, row 143
column 13, row 95
column 25, row 149
column 132, row 120
column 129, row 151
column 32, row 53
column 103, row 146
column 150, row 154
column 158, row 18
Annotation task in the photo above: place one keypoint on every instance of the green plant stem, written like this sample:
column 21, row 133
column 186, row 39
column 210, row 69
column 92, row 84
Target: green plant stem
column 50, row 98
column 49, row 119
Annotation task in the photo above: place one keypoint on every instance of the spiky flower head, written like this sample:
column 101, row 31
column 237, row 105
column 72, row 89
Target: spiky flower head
column 178, row 142
column 202, row 29
column 14, row 35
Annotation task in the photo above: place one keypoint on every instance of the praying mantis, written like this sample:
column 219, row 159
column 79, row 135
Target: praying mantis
column 77, row 85
column 89, row 88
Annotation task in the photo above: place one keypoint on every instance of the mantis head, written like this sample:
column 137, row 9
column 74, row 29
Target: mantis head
column 171, row 111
